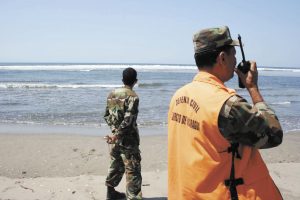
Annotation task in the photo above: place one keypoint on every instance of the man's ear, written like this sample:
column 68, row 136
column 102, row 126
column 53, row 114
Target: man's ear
column 221, row 58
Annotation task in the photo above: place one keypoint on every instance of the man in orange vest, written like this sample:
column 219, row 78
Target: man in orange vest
column 214, row 134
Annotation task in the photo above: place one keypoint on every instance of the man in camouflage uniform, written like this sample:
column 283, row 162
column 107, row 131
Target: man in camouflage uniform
column 240, row 123
column 121, row 114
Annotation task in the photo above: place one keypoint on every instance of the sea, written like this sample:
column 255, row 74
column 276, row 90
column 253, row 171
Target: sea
column 70, row 97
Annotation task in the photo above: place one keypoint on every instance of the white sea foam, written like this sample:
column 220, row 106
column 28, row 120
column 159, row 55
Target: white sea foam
column 145, row 67
column 47, row 86
column 278, row 69
column 281, row 103
column 97, row 67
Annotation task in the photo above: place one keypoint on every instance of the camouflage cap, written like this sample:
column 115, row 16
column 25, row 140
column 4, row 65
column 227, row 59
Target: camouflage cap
column 207, row 40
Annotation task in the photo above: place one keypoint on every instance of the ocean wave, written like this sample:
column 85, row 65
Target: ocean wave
column 54, row 86
column 11, row 104
column 88, row 68
column 91, row 67
column 144, row 85
column 279, row 95
column 292, row 130
column 278, row 69
column 281, row 103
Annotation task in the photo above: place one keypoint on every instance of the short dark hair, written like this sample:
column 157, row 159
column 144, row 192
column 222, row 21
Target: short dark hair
column 209, row 59
column 129, row 76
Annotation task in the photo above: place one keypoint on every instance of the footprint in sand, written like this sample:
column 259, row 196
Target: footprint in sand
column 8, row 188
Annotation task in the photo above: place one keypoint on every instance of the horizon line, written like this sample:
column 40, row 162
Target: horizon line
column 90, row 63
column 117, row 63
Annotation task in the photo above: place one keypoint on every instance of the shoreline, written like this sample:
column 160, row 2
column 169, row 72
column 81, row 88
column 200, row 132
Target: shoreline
column 37, row 129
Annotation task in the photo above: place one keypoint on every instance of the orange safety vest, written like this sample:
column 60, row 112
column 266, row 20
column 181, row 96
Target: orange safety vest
column 200, row 158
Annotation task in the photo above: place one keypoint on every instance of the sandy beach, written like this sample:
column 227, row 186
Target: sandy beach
column 53, row 166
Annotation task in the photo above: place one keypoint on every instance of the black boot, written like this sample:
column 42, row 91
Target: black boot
column 112, row 194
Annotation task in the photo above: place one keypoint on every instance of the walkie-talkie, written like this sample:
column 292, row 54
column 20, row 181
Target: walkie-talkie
column 243, row 66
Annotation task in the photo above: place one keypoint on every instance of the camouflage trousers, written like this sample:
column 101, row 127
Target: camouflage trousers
column 126, row 160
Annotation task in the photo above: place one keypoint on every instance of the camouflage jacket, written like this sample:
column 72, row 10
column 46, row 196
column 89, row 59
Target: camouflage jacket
column 121, row 115
column 255, row 126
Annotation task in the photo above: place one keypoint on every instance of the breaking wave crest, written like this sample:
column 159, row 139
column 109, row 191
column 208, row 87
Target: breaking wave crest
column 54, row 86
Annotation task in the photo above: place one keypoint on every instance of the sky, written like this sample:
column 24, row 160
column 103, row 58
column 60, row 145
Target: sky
column 141, row 31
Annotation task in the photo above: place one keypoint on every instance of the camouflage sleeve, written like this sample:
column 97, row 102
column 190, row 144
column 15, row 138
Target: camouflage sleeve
column 108, row 121
column 107, row 116
column 256, row 126
column 130, row 116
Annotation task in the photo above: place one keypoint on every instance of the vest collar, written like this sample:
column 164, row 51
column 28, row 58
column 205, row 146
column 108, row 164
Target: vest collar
column 206, row 77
